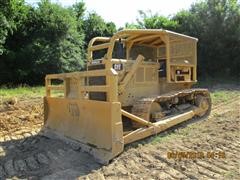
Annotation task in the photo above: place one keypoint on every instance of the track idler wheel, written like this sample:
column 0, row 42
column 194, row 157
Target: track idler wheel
column 147, row 110
column 203, row 103
column 154, row 112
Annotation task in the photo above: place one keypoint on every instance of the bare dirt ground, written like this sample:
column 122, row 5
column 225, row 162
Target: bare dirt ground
column 212, row 146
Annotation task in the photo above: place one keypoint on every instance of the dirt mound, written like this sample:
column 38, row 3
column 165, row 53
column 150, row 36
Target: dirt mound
column 23, row 113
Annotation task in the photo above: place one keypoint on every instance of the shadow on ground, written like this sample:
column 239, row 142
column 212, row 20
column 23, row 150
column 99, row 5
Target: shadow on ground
column 40, row 157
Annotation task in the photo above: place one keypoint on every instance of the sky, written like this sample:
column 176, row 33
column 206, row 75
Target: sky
column 122, row 11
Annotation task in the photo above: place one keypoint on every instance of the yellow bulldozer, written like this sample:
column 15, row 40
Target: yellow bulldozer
column 137, row 84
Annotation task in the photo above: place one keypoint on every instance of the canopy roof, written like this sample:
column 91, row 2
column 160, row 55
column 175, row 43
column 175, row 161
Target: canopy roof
column 149, row 37
column 153, row 37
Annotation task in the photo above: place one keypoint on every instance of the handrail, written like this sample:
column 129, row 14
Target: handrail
column 97, row 88
column 80, row 77
column 90, row 45
column 98, row 47
column 78, row 74
column 51, row 87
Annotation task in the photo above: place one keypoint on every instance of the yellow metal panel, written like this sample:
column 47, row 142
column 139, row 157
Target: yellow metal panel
column 89, row 122
column 140, row 75
column 150, row 74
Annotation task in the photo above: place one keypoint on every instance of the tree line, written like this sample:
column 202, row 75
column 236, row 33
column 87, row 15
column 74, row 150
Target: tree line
column 48, row 38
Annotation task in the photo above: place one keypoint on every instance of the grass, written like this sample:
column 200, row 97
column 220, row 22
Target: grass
column 178, row 133
column 211, row 82
column 21, row 92
column 164, row 138
column 231, row 174
column 222, row 89
column 219, row 96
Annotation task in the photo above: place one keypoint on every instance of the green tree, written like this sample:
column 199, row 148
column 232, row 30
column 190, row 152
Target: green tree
column 94, row 25
column 148, row 20
column 155, row 21
column 78, row 11
column 12, row 14
column 130, row 26
column 217, row 25
column 46, row 42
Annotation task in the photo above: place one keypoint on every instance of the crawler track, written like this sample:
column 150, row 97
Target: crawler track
column 142, row 107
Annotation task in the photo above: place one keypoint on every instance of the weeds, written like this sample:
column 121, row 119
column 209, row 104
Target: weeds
column 21, row 91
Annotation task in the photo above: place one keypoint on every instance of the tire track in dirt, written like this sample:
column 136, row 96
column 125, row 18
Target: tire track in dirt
column 218, row 133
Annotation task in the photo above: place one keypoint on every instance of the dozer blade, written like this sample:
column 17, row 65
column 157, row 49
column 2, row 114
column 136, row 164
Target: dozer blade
column 96, row 126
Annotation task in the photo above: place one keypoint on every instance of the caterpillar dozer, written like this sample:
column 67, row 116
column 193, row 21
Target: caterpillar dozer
column 137, row 84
